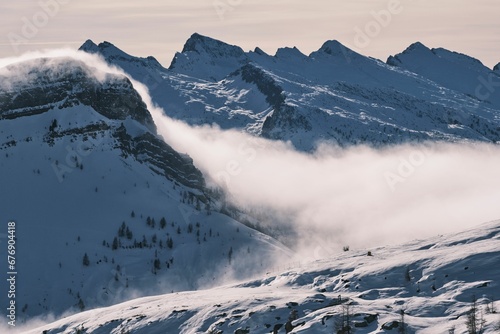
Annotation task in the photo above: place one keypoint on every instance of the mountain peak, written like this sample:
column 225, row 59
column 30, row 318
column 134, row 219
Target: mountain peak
column 417, row 50
column 417, row 47
column 288, row 52
column 260, row 52
column 106, row 49
column 89, row 46
column 497, row 67
column 333, row 47
column 203, row 44
column 110, row 52
column 208, row 58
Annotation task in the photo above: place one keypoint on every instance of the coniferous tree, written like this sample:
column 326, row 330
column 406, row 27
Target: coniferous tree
column 230, row 255
column 129, row 234
column 115, row 244
column 81, row 306
column 170, row 243
column 86, row 261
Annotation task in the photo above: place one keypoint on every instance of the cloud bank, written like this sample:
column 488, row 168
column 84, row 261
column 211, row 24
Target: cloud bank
column 360, row 196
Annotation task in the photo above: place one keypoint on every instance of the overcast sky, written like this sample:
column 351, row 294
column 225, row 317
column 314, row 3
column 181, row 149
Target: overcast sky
column 160, row 27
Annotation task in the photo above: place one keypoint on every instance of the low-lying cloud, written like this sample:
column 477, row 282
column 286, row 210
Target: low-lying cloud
column 359, row 196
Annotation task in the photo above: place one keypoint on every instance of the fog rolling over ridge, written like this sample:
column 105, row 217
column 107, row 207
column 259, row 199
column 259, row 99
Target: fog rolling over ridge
column 315, row 201
column 357, row 196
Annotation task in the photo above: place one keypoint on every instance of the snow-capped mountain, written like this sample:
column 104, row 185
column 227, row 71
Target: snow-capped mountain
column 104, row 208
column 426, row 286
column 334, row 94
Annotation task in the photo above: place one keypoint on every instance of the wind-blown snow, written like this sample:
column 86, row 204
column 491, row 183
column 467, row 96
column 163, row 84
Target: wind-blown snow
column 433, row 281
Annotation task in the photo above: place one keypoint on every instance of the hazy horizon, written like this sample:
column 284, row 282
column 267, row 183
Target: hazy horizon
column 379, row 28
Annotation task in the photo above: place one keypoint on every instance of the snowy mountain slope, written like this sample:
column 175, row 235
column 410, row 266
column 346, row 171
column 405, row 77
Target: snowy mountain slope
column 452, row 70
column 433, row 281
column 334, row 94
column 229, row 102
column 207, row 58
column 84, row 173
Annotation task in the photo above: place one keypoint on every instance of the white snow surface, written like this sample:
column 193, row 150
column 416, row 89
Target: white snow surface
column 334, row 94
column 69, row 196
column 432, row 280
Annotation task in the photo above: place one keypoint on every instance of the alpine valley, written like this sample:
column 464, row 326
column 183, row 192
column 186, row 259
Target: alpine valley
column 124, row 234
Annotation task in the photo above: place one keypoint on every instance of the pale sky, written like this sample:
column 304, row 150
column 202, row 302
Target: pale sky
column 160, row 28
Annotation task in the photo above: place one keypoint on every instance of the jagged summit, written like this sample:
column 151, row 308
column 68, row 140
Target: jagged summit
column 89, row 46
column 416, row 50
column 260, row 52
column 291, row 96
column 287, row 53
column 417, row 47
column 199, row 43
column 334, row 48
column 207, row 58
column 63, row 82
column 110, row 51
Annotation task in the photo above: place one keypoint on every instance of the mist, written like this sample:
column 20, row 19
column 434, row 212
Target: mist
column 359, row 196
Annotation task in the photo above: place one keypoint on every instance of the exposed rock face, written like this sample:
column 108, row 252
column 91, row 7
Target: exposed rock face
column 38, row 86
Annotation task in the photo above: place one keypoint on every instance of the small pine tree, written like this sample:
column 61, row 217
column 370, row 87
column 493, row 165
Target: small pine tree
column 86, row 261
column 129, row 234
column 81, row 306
column 475, row 324
column 402, row 323
column 53, row 125
column 132, row 214
column 343, row 325
column 163, row 223
column 121, row 230
column 230, row 255
column 115, row 244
